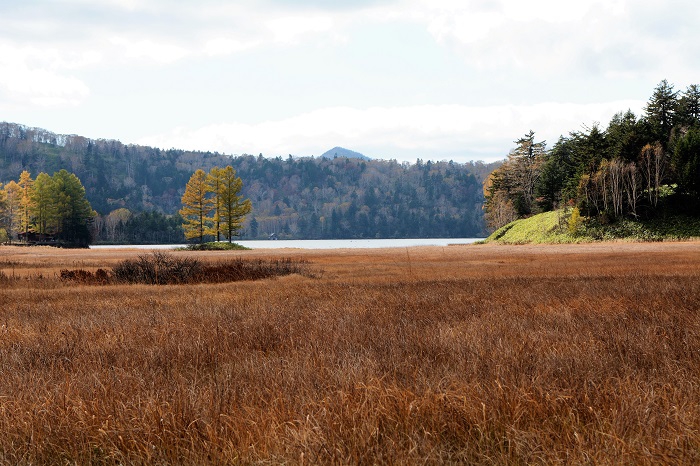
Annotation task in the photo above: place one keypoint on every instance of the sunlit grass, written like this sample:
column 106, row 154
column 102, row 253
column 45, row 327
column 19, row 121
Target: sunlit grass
column 465, row 354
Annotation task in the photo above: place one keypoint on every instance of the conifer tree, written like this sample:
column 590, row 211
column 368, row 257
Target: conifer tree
column 196, row 206
column 233, row 208
column 73, row 211
column 214, row 178
column 689, row 106
column 3, row 208
column 13, row 194
column 43, row 209
column 25, row 201
column 661, row 111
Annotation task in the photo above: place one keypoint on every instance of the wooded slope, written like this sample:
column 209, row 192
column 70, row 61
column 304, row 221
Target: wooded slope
column 294, row 197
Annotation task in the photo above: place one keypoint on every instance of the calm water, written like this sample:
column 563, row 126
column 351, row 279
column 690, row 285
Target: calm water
column 322, row 243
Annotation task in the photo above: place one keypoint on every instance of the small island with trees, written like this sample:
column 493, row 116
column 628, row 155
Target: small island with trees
column 213, row 206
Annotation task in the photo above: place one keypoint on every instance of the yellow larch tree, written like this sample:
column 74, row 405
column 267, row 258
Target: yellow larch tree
column 232, row 207
column 214, row 178
column 13, row 194
column 196, row 206
column 26, row 185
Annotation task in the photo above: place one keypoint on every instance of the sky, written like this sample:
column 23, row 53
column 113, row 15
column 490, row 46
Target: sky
column 393, row 79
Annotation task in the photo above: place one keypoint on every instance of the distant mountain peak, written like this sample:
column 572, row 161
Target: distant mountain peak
column 342, row 152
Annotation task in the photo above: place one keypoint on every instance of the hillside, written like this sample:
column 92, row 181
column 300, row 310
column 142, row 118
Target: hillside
column 556, row 227
column 319, row 197
column 637, row 178
column 342, row 152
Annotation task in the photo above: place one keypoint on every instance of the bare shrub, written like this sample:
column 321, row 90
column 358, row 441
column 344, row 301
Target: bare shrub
column 101, row 276
column 258, row 269
column 157, row 268
column 161, row 268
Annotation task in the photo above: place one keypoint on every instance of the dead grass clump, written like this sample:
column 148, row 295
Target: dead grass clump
column 254, row 269
column 100, row 276
column 157, row 268
column 161, row 268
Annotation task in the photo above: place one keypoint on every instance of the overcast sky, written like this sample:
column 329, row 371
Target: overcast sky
column 402, row 79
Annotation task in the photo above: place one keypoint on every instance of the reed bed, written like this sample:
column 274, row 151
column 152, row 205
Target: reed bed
column 478, row 355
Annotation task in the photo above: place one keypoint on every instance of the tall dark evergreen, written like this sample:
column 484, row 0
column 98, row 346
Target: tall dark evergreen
column 686, row 161
column 689, row 106
column 661, row 111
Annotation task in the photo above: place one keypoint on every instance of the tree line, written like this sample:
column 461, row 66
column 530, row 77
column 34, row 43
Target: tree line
column 50, row 209
column 635, row 167
column 308, row 197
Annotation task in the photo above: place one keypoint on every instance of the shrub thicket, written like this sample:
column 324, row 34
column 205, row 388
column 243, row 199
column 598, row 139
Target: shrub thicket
column 162, row 268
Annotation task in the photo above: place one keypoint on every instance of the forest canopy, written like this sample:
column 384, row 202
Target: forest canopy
column 137, row 188
column 636, row 167
column 48, row 209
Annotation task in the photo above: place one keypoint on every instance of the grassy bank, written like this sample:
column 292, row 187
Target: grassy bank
column 551, row 354
column 554, row 228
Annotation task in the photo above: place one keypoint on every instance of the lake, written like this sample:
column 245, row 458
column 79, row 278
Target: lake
column 319, row 243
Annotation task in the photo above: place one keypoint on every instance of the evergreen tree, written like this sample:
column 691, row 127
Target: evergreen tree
column 73, row 212
column 661, row 111
column 253, row 228
column 689, row 106
column 686, row 161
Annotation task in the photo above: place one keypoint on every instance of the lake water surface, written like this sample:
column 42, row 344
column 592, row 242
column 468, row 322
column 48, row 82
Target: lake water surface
column 319, row 244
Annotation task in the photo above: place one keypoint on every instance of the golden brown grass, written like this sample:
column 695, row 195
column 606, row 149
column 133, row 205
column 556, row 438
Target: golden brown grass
column 482, row 354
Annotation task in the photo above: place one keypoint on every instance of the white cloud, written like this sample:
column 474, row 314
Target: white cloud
column 439, row 131
column 157, row 51
column 291, row 29
column 433, row 52
column 30, row 75
column 227, row 46
column 553, row 39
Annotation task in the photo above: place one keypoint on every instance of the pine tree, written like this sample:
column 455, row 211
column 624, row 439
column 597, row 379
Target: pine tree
column 689, row 106
column 661, row 111
column 526, row 161
column 196, row 206
column 686, row 162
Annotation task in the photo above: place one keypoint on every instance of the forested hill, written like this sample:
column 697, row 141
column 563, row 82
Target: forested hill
column 294, row 197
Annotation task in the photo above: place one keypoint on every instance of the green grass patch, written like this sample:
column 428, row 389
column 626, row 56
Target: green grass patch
column 554, row 227
column 662, row 228
column 548, row 227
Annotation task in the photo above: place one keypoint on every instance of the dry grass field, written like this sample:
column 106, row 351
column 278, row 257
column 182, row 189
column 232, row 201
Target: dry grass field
column 571, row 354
